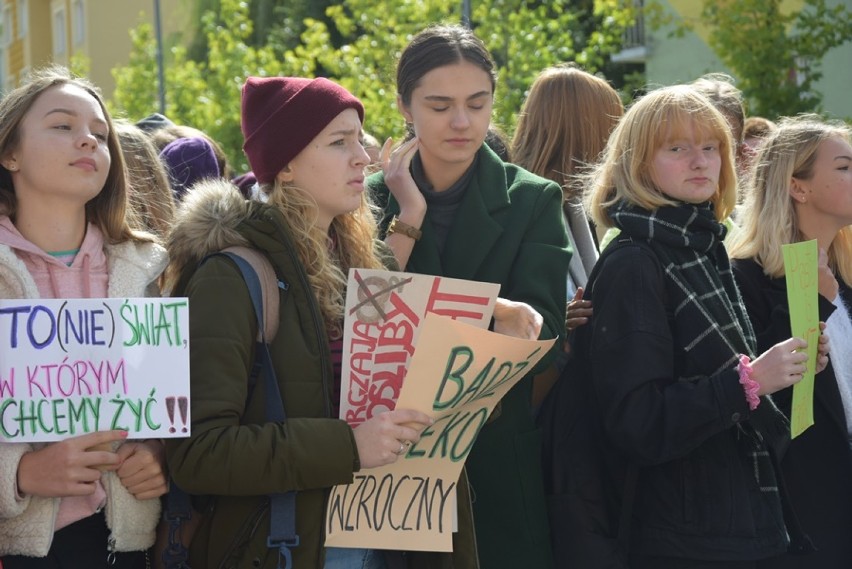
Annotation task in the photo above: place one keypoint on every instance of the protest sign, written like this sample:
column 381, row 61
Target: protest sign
column 76, row 366
column 800, row 267
column 384, row 312
column 457, row 375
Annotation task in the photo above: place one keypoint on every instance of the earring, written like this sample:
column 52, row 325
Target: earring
column 13, row 168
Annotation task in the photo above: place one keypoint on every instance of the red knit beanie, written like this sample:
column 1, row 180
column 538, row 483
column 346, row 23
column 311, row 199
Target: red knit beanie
column 282, row 115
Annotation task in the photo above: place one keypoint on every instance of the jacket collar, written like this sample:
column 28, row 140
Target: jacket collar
column 474, row 230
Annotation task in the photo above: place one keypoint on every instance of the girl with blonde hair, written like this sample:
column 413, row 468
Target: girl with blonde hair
column 802, row 189
column 150, row 195
column 670, row 346
column 302, row 139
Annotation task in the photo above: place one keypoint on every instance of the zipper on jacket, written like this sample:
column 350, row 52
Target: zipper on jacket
column 111, row 551
column 109, row 513
column 252, row 522
column 318, row 324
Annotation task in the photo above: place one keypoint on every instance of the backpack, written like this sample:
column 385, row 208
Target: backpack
column 589, row 486
column 181, row 519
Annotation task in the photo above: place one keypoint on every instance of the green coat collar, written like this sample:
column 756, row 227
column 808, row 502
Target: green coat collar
column 468, row 242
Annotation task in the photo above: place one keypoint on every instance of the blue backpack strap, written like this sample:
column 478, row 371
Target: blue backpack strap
column 282, row 517
column 282, row 527
column 178, row 510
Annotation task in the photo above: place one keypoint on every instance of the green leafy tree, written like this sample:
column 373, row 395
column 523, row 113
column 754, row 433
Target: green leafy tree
column 136, row 83
column 373, row 36
column 203, row 94
column 523, row 36
column 526, row 37
column 358, row 43
column 775, row 53
column 277, row 23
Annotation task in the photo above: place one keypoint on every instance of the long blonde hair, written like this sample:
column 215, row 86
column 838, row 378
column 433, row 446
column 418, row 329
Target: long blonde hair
column 150, row 194
column 564, row 123
column 769, row 219
column 353, row 235
column 624, row 172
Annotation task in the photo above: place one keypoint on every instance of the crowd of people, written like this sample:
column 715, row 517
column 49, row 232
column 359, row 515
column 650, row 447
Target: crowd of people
column 683, row 325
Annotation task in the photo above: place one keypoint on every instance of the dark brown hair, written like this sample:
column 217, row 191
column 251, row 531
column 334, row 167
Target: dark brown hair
column 436, row 47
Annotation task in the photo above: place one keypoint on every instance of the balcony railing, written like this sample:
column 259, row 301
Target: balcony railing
column 634, row 48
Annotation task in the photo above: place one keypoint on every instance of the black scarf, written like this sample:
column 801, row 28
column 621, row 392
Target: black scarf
column 711, row 325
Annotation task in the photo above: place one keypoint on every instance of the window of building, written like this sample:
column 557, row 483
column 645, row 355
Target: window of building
column 23, row 18
column 59, row 38
column 79, row 15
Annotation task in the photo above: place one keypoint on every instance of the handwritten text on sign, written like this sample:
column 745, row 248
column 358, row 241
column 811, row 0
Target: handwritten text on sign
column 800, row 267
column 457, row 376
column 70, row 367
column 384, row 311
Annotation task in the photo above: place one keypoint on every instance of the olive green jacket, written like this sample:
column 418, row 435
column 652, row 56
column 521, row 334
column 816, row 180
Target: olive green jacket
column 234, row 456
column 509, row 229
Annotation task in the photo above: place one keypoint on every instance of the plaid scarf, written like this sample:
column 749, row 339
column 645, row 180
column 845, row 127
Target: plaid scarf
column 710, row 322
column 711, row 325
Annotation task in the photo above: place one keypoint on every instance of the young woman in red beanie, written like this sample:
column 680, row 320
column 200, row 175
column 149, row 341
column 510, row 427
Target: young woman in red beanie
column 452, row 207
column 64, row 233
column 302, row 139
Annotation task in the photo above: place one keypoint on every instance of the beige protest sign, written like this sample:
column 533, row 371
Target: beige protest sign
column 384, row 311
column 457, row 375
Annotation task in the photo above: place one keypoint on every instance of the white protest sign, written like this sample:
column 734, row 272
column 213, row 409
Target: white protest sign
column 75, row 366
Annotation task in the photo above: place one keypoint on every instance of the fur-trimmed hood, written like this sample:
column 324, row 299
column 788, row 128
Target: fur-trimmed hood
column 206, row 222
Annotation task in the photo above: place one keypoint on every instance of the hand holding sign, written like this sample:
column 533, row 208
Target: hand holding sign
column 380, row 438
column 457, row 375
column 517, row 319
column 67, row 468
column 822, row 349
column 782, row 365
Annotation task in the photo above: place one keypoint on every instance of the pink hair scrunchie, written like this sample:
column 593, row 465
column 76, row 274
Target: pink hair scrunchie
column 750, row 386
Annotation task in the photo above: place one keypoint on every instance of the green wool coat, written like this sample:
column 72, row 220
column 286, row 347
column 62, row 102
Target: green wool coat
column 509, row 229
column 234, row 456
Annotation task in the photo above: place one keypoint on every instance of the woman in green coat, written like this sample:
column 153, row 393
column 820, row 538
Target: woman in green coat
column 451, row 207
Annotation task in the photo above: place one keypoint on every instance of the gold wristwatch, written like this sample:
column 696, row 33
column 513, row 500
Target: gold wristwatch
column 397, row 226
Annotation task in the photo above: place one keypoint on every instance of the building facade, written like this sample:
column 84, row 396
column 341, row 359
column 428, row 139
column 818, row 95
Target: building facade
column 669, row 60
column 95, row 32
